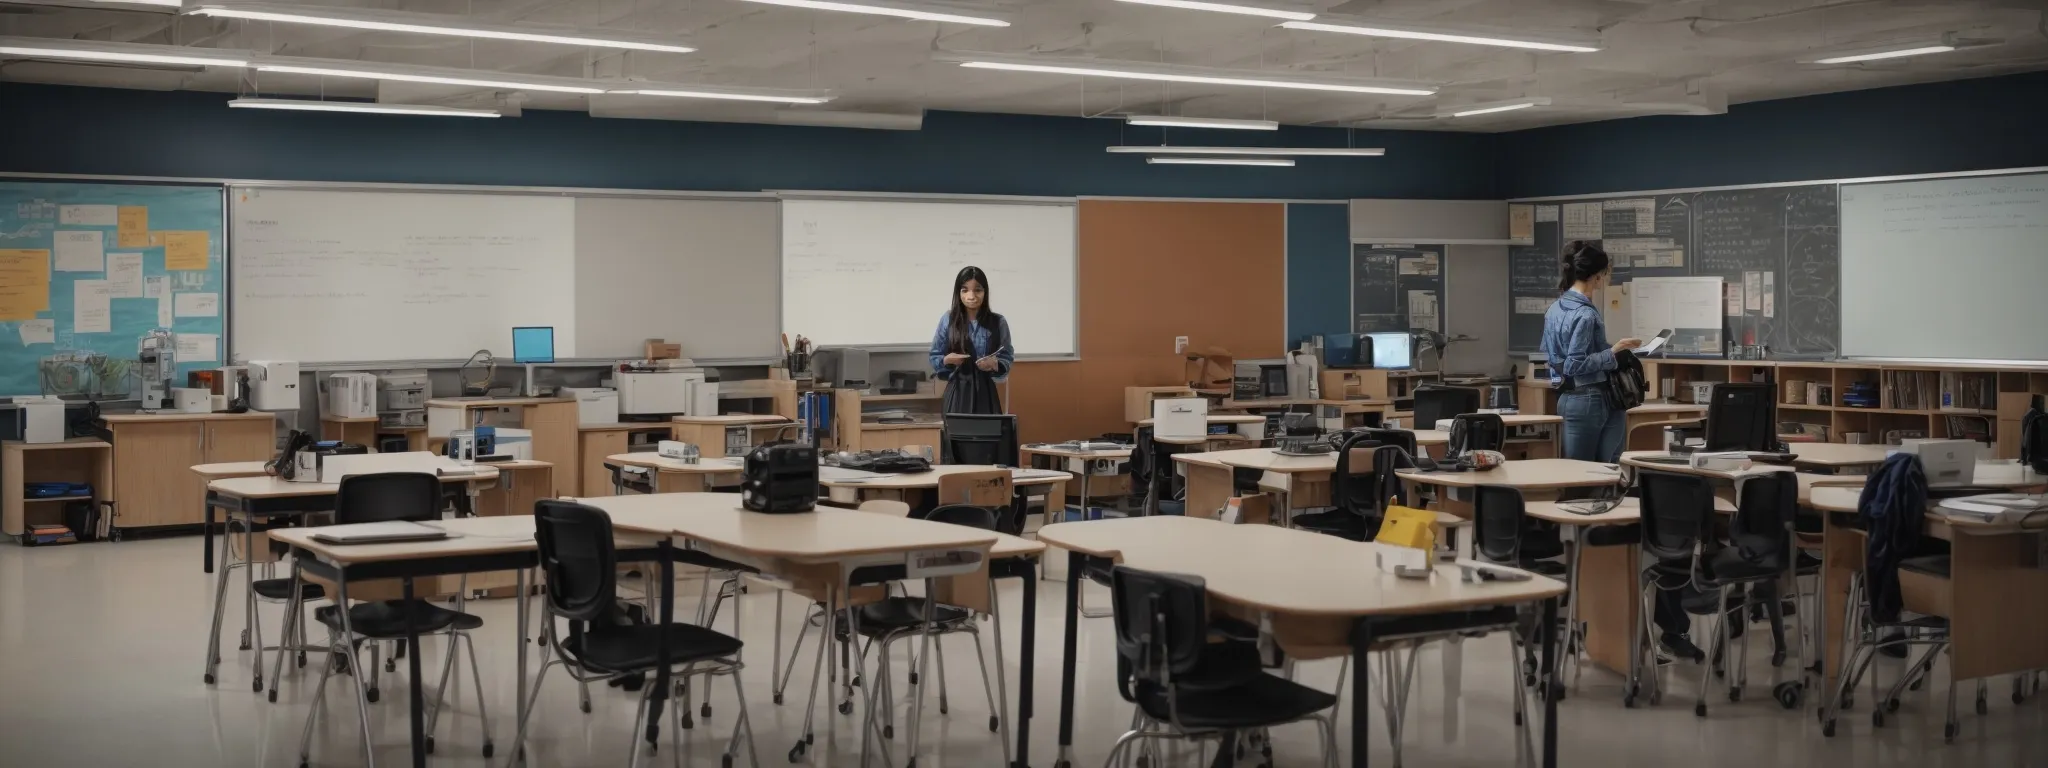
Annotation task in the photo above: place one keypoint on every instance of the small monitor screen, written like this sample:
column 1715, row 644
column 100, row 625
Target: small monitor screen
column 533, row 345
column 1393, row 351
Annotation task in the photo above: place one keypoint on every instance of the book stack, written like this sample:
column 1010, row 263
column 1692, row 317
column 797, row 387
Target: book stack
column 1862, row 394
column 45, row 535
column 1966, row 391
column 1818, row 393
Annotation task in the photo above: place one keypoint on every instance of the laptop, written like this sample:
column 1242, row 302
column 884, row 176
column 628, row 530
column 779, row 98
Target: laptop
column 1947, row 463
column 378, row 533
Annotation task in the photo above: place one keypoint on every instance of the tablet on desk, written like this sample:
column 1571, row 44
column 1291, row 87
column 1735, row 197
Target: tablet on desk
column 378, row 533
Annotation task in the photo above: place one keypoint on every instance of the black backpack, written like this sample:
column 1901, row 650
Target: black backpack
column 2034, row 436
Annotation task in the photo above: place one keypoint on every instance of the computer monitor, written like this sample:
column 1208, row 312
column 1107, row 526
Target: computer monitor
column 533, row 345
column 979, row 439
column 1393, row 351
column 1435, row 402
column 1742, row 417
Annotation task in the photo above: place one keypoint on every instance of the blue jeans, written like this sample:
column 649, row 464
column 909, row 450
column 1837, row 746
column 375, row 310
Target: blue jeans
column 1593, row 431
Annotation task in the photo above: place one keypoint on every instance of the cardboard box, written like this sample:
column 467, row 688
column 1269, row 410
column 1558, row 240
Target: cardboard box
column 658, row 349
column 1213, row 369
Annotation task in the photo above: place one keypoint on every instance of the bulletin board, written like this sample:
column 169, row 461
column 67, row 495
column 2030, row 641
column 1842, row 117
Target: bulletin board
column 87, row 270
column 1397, row 288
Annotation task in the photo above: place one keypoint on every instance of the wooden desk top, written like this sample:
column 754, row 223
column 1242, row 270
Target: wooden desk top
column 1532, row 474
column 1432, row 437
column 74, row 442
column 1527, row 419
column 625, row 426
column 1325, row 575
column 732, row 418
column 267, row 487
column 926, row 480
column 1668, row 409
column 474, row 536
column 1630, row 511
column 1221, row 418
column 1840, row 499
column 823, row 535
column 1205, row 439
column 495, row 402
column 1070, row 453
column 167, row 416
column 656, row 462
column 876, row 425
column 348, row 419
column 231, row 469
column 1839, row 454
column 1636, row 459
column 1261, row 458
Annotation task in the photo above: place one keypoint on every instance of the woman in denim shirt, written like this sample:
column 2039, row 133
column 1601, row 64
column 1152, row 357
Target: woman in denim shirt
column 971, row 349
column 1575, row 339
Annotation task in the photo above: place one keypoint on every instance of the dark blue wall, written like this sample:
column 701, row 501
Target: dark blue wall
column 1964, row 125
column 1318, row 271
column 58, row 129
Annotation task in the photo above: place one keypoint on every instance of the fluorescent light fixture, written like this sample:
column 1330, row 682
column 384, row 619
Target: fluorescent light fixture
column 715, row 92
column 125, row 53
column 434, row 24
column 1239, row 8
column 1889, row 52
column 899, row 10
column 1262, row 151
column 1491, row 107
column 434, row 75
column 361, row 106
column 165, row 3
column 1203, row 122
column 1277, row 162
column 1504, row 37
column 1132, row 70
column 828, row 118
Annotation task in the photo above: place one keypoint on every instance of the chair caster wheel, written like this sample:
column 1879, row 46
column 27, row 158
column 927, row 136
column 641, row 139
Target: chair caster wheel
column 1518, row 717
column 1734, row 694
column 778, row 699
column 430, row 745
column 1627, row 702
column 1877, row 718
column 943, row 710
column 489, row 748
column 810, row 738
column 2019, row 697
column 273, row 697
column 1063, row 764
column 304, row 764
column 585, row 706
column 855, row 682
column 705, row 712
column 888, row 731
column 725, row 761
column 1828, row 729
column 245, row 639
column 994, row 724
column 1699, row 710
column 846, row 707
column 688, row 721
column 1892, row 705
column 371, row 695
column 391, row 664
column 1788, row 694
column 1848, row 703
column 257, row 686
column 796, row 753
column 209, row 679
column 1948, row 733
column 1656, row 697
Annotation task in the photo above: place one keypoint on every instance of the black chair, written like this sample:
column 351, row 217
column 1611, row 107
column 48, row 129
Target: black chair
column 1760, row 553
column 376, row 498
column 1506, row 534
column 580, row 564
column 1435, row 402
column 1155, row 487
column 1476, row 432
column 1357, row 488
column 1168, row 667
column 970, row 438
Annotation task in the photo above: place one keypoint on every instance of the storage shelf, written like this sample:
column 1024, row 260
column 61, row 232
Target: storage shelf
column 901, row 398
column 33, row 500
column 1893, row 411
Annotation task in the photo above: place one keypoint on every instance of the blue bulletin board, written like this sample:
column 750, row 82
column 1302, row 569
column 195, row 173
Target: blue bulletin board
column 87, row 270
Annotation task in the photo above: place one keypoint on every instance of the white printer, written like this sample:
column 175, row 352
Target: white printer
column 349, row 396
column 674, row 391
column 274, row 385
column 594, row 405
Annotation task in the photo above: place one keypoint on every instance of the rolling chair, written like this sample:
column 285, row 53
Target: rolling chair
column 1187, row 687
column 1476, row 432
column 971, row 438
column 581, row 568
column 1156, row 488
column 1359, row 486
column 382, row 497
column 1435, row 402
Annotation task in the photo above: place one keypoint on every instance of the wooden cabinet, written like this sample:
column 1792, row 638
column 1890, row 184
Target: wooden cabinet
column 152, row 479
column 77, row 460
column 554, row 441
column 592, row 447
column 552, row 420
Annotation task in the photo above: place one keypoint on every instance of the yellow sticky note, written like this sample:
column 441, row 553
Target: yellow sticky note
column 133, row 229
column 24, row 283
column 185, row 250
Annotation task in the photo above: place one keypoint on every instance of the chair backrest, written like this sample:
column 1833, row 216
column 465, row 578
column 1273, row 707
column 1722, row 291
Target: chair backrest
column 1742, row 416
column 1161, row 620
column 1140, row 465
column 972, row 438
column 1387, row 460
column 1765, row 506
column 1434, row 403
column 1675, row 511
column 889, row 507
column 984, row 488
column 1497, row 518
column 577, row 558
column 1400, row 437
column 968, row 515
column 1352, row 484
column 387, row 496
column 1477, row 432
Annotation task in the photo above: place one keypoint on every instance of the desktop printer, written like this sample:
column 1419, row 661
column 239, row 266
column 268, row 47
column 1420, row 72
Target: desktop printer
column 274, row 385
column 349, row 396
column 675, row 391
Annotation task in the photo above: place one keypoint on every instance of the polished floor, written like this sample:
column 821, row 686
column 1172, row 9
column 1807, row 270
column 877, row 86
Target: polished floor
column 101, row 654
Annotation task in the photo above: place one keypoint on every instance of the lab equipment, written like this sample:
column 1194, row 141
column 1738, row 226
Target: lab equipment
column 680, row 451
column 782, row 477
column 349, row 396
column 531, row 345
column 192, row 400
column 33, row 419
column 274, row 385
column 159, row 357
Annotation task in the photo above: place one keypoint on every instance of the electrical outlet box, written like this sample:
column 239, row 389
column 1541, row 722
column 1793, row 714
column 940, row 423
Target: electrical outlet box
column 1180, row 345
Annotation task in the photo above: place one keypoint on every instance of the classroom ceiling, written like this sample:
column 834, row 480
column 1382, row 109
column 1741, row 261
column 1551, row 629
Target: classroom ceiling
column 1687, row 57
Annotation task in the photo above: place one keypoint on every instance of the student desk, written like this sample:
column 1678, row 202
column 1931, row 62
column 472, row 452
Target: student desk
column 1342, row 609
column 595, row 442
column 1084, row 464
column 1835, row 457
column 1995, row 598
column 908, row 486
column 208, row 473
column 481, row 544
column 823, row 547
column 1210, row 477
column 1517, row 447
column 264, row 496
column 670, row 475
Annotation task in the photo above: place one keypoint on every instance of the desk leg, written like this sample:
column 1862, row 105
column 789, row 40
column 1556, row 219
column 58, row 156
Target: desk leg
column 206, row 532
column 1024, row 668
column 1361, row 692
column 1552, row 690
column 662, row 685
column 1065, row 757
column 417, row 715
column 520, row 636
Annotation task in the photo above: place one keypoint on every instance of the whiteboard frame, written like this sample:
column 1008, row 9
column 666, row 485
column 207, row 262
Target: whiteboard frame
column 921, row 197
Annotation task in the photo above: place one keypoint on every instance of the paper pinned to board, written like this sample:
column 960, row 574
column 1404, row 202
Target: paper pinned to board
column 1546, row 214
column 198, row 347
column 1533, row 305
column 24, row 283
column 81, row 251
column 1770, row 295
column 1753, row 291
column 196, row 305
column 163, row 311
column 91, row 307
column 87, row 215
column 1422, row 310
column 1522, row 223
column 1642, row 209
column 1426, row 264
column 186, row 250
column 43, row 331
column 156, row 287
column 1734, row 294
column 1581, row 221
column 124, row 275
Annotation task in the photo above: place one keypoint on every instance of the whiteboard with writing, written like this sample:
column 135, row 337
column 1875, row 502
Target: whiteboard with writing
column 1946, row 268
column 348, row 276
column 880, row 273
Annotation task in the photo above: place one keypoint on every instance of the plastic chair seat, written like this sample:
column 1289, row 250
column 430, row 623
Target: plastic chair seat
column 387, row 619
column 281, row 589
column 900, row 613
column 1261, row 701
column 635, row 647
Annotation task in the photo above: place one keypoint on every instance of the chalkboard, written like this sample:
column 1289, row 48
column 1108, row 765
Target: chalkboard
column 1397, row 288
column 1779, row 247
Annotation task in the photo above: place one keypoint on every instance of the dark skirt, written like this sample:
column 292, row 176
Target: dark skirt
column 973, row 390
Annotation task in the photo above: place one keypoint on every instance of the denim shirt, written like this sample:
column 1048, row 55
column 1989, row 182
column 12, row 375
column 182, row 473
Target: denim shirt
column 984, row 343
column 1575, row 339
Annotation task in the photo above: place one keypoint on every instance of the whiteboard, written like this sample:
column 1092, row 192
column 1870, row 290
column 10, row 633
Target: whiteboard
column 1946, row 268
column 1690, row 307
column 880, row 273
column 344, row 276
column 698, row 272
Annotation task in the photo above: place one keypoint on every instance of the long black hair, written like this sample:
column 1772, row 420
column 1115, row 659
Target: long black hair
column 1581, row 262
column 960, row 338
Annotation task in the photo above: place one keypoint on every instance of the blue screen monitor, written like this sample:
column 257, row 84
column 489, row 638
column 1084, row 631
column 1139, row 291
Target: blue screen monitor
column 533, row 345
column 1393, row 351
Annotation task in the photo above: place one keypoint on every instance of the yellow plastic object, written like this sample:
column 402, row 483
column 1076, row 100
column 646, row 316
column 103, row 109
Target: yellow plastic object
column 1408, row 527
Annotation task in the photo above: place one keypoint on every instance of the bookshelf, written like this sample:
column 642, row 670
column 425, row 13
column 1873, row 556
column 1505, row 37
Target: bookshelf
column 1875, row 402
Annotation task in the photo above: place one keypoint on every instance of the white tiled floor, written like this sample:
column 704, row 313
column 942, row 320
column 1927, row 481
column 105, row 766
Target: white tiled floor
column 100, row 662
